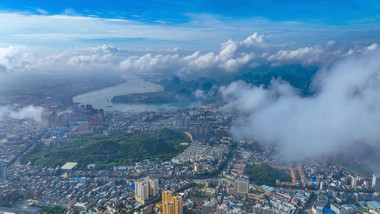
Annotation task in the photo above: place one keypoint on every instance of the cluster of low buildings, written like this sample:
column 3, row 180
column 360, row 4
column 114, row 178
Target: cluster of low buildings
column 207, row 177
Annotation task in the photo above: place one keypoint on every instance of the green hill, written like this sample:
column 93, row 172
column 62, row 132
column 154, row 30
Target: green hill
column 107, row 151
column 175, row 92
column 263, row 174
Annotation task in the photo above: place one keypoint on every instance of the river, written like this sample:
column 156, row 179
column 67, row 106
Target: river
column 102, row 98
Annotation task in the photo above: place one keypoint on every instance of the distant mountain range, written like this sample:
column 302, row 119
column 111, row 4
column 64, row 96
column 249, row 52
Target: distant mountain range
column 177, row 90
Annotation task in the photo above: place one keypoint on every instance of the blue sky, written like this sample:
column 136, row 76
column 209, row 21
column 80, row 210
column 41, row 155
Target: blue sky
column 331, row 12
column 195, row 24
column 182, row 37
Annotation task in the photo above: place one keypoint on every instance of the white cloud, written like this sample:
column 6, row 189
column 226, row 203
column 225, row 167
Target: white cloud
column 24, row 28
column 104, row 49
column 234, row 64
column 305, row 55
column 231, row 57
column 204, row 61
column 176, row 49
column 161, row 22
column 202, row 30
column 28, row 112
column 70, row 29
column 14, row 58
column 255, row 40
column 372, row 47
column 343, row 113
column 228, row 50
column 330, row 43
column 148, row 63
column 41, row 11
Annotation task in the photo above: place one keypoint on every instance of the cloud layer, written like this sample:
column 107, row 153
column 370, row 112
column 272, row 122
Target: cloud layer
column 343, row 113
column 232, row 56
column 28, row 112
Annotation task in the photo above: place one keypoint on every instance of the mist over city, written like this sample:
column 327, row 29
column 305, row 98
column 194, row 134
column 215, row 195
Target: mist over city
column 177, row 107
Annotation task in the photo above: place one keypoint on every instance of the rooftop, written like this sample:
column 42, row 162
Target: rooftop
column 69, row 165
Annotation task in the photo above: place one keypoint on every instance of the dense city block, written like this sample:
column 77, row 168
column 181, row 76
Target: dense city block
column 88, row 160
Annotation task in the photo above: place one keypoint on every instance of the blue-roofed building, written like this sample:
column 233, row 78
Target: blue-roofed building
column 328, row 211
column 345, row 208
column 122, row 169
column 268, row 188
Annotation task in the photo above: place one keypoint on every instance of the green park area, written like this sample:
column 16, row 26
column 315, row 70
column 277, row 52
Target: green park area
column 107, row 151
column 263, row 174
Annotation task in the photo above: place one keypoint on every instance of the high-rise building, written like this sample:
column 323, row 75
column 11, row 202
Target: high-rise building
column 170, row 204
column 178, row 205
column 165, row 207
column 101, row 111
column 168, row 207
column 3, row 172
column 222, row 209
column 343, row 209
column 198, row 168
column 166, row 196
column 376, row 181
column 208, row 207
column 153, row 187
column 182, row 122
column 354, row 181
column 145, row 188
column 49, row 119
column 242, row 186
column 96, row 119
column 322, row 185
column 141, row 191
column 89, row 109
column 201, row 131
